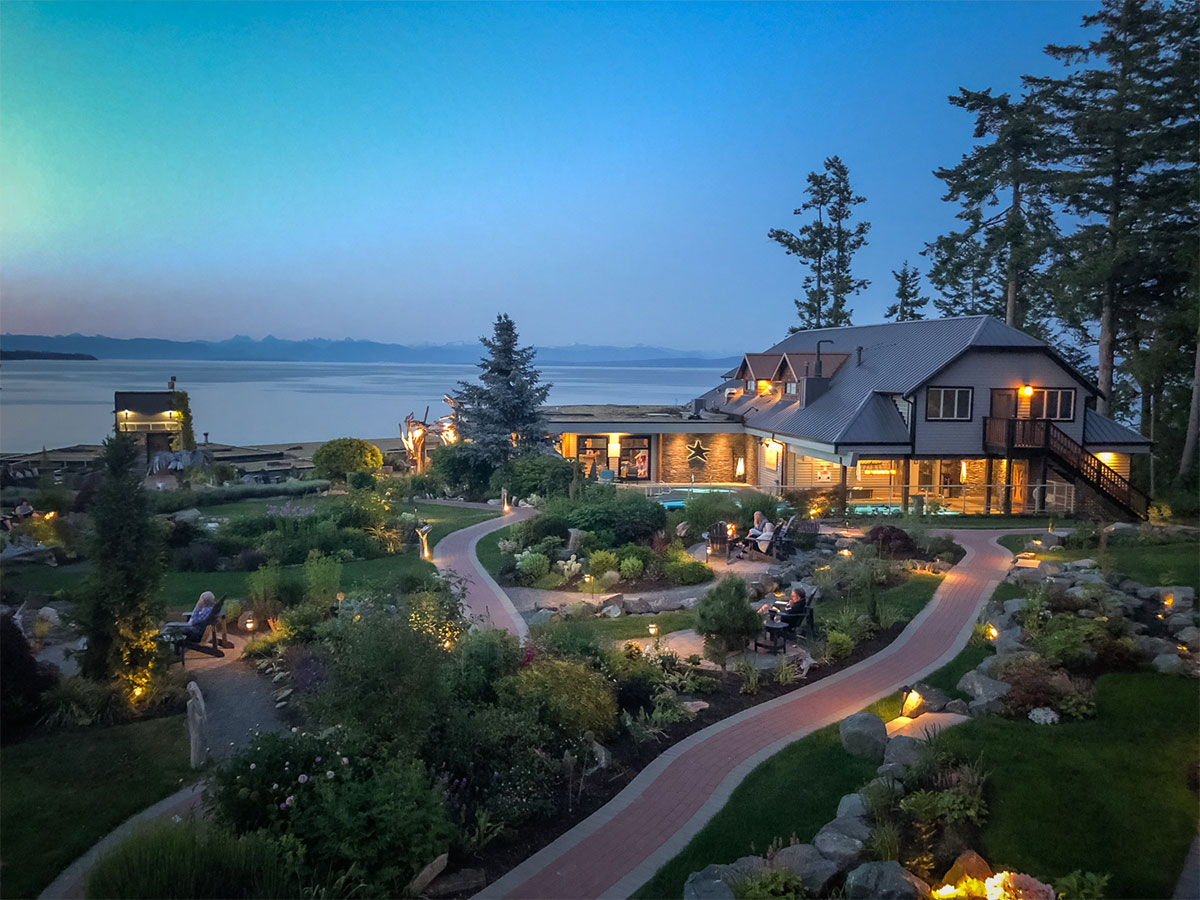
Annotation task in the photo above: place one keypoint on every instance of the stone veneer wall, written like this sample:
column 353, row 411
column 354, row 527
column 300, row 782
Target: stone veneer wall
column 723, row 453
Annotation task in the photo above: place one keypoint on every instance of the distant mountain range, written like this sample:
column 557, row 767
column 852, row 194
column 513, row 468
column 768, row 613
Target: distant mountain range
column 272, row 349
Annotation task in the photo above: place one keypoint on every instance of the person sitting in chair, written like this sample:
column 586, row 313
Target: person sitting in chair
column 757, row 528
column 762, row 542
column 203, row 609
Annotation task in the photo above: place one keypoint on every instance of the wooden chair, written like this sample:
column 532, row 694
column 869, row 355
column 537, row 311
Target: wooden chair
column 185, row 636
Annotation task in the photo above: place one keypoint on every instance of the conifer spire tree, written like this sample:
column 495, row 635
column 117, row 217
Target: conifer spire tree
column 501, row 416
column 1003, row 186
column 909, row 302
column 811, row 246
column 848, row 238
column 969, row 279
column 826, row 246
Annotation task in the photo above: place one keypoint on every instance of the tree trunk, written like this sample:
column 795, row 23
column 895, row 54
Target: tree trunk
column 1193, row 425
column 1011, row 315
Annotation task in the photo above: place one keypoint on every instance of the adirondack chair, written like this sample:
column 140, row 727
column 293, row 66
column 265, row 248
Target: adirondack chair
column 185, row 636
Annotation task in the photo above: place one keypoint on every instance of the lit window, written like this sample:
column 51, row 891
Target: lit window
column 750, row 384
column 1052, row 403
column 790, row 387
column 948, row 404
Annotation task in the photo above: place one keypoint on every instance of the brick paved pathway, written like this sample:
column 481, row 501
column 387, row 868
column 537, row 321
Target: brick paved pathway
column 486, row 601
column 623, row 844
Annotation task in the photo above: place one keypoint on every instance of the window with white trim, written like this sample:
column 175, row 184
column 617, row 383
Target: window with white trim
column 1052, row 403
column 948, row 404
column 789, row 387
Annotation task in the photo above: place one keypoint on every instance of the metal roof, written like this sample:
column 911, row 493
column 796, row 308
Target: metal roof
column 801, row 365
column 897, row 357
column 1098, row 429
column 146, row 403
column 759, row 366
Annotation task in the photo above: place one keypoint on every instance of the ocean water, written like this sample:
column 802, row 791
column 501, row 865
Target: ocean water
column 59, row 403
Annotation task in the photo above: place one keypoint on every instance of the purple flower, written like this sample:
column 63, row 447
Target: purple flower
column 318, row 759
column 283, row 806
column 302, row 779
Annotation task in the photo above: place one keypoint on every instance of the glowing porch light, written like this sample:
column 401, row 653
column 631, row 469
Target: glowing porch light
column 1027, row 390
column 740, row 471
column 762, row 386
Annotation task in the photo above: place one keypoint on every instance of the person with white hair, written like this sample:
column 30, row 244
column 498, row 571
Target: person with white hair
column 203, row 609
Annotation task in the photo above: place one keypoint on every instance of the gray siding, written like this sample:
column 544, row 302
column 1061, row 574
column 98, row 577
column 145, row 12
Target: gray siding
column 983, row 370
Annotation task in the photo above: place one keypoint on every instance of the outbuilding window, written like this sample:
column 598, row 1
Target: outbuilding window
column 948, row 404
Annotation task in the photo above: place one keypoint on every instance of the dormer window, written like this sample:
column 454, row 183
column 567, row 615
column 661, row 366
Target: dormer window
column 750, row 384
column 790, row 387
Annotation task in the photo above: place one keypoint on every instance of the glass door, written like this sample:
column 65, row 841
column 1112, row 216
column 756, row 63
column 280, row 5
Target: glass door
column 635, row 458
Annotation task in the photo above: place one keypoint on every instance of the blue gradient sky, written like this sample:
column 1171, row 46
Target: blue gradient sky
column 605, row 173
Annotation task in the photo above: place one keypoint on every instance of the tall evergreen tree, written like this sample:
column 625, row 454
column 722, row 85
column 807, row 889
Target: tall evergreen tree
column 501, row 416
column 1003, row 187
column 811, row 245
column 848, row 238
column 826, row 246
column 121, row 607
column 1113, row 115
column 909, row 301
column 969, row 279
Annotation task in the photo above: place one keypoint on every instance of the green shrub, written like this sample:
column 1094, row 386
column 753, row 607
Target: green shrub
column 755, row 501
column 541, row 474
column 572, row 639
column 481, row 659
column 193, row 859
column 639, row 552
column 686, row 571
column 532, row 566
column 625, row 515
column 363, row 481
column 322, row 578
column 631, row 568
column 725, row 618
column 702, row 511
column 1067, row 640
column 748, row 672
column 172, row 501
column 362, row 509
column 572, row 697
column 542, row 526
column 770, row 884
column 461, row 470
column 602, row 561
column 23, row 680
column 1081, row 885
column 336, row 458
column 839, row 644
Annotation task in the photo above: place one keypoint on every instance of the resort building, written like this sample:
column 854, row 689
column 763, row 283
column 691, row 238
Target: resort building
column 149, row 417
column 966, row 415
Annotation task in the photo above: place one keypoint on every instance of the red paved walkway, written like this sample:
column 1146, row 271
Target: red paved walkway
column 622, row 845
column 486, row 601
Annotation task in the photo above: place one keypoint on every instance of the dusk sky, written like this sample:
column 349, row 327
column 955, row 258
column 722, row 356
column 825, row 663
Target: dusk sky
column 604, row 173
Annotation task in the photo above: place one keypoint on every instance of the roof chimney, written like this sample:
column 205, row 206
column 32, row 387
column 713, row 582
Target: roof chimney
column 858, row 350
column 819, row 343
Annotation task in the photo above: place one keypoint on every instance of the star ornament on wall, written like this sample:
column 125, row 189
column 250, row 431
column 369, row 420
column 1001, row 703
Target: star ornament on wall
column 697, row 452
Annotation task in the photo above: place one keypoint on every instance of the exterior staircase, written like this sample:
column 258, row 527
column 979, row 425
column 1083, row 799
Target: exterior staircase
column 1026, row 438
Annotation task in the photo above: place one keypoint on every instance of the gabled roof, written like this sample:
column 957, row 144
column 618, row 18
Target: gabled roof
column 758, row 366
column 794, row 366
column 1098, row 429
column 897, row 358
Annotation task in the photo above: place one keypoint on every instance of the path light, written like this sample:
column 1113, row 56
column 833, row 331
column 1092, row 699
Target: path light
column 250, row 622
column 1168, row 600
column 845, row 551
column 992, row 632
column 504, row 500
column 653, row 629
column 423, row 534
column 912, row 700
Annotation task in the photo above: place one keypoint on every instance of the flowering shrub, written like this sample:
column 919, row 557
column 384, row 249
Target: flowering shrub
column 569, row 568
column 532, row 566
column 1043, row 715
column 570, row 696
column 506, row 546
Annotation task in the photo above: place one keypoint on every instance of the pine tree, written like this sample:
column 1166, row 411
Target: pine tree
column 969, row 279
column 908, row 303
column 1003, row 186
column 848, row 238
column 1126, row 158
column 826, row 246
column 501, row 416
column 121, row 607
column 811, row 245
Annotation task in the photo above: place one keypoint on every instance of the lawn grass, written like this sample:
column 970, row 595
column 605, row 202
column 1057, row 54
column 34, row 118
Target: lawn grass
column 61, row 794
column 488, row 553
column 180, row 589
column 1151, row 564
column 627, row 628
column 796, row 791
column 903, row 601
column 1106, row 795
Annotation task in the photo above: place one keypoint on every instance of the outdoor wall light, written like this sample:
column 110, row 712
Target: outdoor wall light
column 1027, row 391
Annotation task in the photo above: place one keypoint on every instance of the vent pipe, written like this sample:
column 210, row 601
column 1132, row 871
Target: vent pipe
column 858, row 350
column 819, row 343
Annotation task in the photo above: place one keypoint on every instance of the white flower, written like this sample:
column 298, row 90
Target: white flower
column 329, row 774
column 275, row 787
column 1043, row 715
column 294, row 729
column 253, row 766
column 302, row 779
column 345, row 760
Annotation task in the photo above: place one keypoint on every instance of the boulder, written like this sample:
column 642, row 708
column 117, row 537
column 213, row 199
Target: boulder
column 713, row 882
column 1009, row 640
column 983, row 707
column 958, row 707
column 50, row 615
column 1153, row 646
column 665, row 604
column 541, row 617
column 611, row 612
column 1168, row 664
column 1130, row 603
column 884, row 881
column 1189, row 637
column 603, row 755
column 852, row 805
column 887, row 782
column 186, row 515
column 580, row 609
column 1087, row 613
column 427, row 874
column 573, row 535
column 851, row 826
column 968, row 865
column 840, row 849
column 635, row 606
column 815, row 871
column 689, row 602
column 1011, row 607
column 695, row 706
column 864, row 735
column 1147, row 593
column 1054, row 538
column 1087, row 576
column 1122, row 528
column 1178, row 622
column 895, row 771
column 981, row 687
column 903, row 750
column 1129, row 586
column 1050, row 568
column 465, row 882
column 547, row 603
column 1181, row 594
column 1027, row 575
column 1080, row 564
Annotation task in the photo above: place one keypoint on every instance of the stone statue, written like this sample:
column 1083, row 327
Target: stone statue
column 197, row 719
